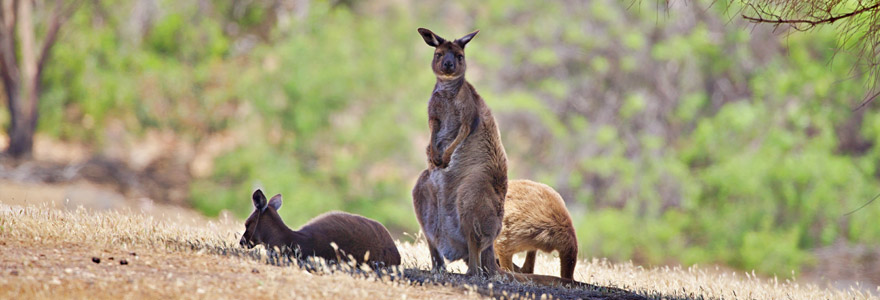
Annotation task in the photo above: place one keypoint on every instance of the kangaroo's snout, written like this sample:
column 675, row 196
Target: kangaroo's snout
column 244, row 243
column 448, row 66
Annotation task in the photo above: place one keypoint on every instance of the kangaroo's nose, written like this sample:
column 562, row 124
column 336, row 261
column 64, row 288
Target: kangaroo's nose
column 448, row 65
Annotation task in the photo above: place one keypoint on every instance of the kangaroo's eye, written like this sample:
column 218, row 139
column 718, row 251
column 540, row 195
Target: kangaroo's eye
column 438, row 55
column 460, row 57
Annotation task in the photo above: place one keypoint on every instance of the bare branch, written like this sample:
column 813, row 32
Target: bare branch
column 829, row 20
column 9, row 8
column 8, row 64
column 58, row 18
column 857, row 21
column 866, row 101
column 25, row 24
column 863, row 206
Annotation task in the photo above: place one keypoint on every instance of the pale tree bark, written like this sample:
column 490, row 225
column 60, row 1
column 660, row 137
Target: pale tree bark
column 21, row 77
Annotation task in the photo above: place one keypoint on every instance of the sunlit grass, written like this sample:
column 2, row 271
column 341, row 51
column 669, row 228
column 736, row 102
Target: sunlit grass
column 49, row 252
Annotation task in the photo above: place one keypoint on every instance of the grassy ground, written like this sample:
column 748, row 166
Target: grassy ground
column 48, row 252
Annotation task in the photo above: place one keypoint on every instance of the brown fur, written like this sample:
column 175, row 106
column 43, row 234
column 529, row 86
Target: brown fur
column 353, row 235
column 459, row 199
column 535, row 218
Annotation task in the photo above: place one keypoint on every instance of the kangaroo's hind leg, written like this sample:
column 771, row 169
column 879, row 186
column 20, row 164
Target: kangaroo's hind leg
column 480, row 262
column 489, row 263
column 528, row 266
column 505, row 261
column 425, row 205
column 474, row 260
column 567, row 261
column 480, row 210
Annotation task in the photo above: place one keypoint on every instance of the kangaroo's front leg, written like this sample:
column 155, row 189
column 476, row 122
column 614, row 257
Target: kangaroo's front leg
column 437, row 262
column 464, row 130
column 435, row 155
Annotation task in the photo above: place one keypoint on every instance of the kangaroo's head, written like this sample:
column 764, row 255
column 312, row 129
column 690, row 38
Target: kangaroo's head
column 448, row 63
column 264, row 223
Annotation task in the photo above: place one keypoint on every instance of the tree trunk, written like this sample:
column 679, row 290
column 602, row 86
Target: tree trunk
column 21, row 125
column 21, row 79
column 23, row 94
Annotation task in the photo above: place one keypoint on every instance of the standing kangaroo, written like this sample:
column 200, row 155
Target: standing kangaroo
column 352, row 234
column 535, row 218
column 459, row 199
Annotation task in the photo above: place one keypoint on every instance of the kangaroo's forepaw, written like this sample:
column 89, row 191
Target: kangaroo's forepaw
column 437, row 161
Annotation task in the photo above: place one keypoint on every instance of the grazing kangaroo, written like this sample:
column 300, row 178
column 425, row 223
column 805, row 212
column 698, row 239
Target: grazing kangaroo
column 352, row 234
column 459, row 199
column 535, row 218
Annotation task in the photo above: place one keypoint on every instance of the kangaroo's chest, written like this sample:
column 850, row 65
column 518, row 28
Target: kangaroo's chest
column 449, row 117
column 449, row 126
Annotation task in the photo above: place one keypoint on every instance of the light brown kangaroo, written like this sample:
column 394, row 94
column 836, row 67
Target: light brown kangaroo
column 459, row 199
column 535, row 218
column 352, row 234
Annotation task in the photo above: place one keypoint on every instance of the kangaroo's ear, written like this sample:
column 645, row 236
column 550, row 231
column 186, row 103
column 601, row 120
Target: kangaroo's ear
column 465, row 39
column 275, row 202
column 431, row 39
column 259, row 200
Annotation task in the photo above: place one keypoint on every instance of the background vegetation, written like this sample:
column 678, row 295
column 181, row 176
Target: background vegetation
column 676, row 135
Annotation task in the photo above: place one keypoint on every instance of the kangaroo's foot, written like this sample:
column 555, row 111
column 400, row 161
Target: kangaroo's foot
column 438, row 265
column 474, row 260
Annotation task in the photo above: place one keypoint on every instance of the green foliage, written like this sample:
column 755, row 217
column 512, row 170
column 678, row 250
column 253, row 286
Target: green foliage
column 325, row 157
column 753, row 179
column 674, row 137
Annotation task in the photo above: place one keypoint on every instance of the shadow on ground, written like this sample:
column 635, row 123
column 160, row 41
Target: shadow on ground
column 485, row 286
column 513, row 290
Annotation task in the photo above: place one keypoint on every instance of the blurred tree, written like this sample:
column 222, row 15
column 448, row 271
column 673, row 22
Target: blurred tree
column 674, row 139
column 858, row 19
column 22, row 63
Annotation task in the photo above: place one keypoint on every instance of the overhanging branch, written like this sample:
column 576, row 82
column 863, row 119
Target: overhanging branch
column 776, row 19
column 59, row 17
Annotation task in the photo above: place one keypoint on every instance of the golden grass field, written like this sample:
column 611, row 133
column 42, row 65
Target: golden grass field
column 47, row 251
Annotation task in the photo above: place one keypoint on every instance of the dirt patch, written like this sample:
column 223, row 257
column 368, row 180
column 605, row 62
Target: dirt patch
column 50, row 270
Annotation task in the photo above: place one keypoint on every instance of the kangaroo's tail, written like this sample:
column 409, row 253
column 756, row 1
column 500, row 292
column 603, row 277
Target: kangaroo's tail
column 546, row 280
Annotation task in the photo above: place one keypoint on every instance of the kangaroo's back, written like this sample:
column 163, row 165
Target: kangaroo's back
column 364, row 239
column 332, row 236
column 482, row 152
column 535, row 218
column 538, row 206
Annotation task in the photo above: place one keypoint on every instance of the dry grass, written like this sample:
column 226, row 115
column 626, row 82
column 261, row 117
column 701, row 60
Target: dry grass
column 46, row 253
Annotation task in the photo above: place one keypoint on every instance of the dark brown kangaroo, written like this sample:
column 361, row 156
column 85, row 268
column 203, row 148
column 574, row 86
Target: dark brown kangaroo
column 459, row 199
column 352, row 234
